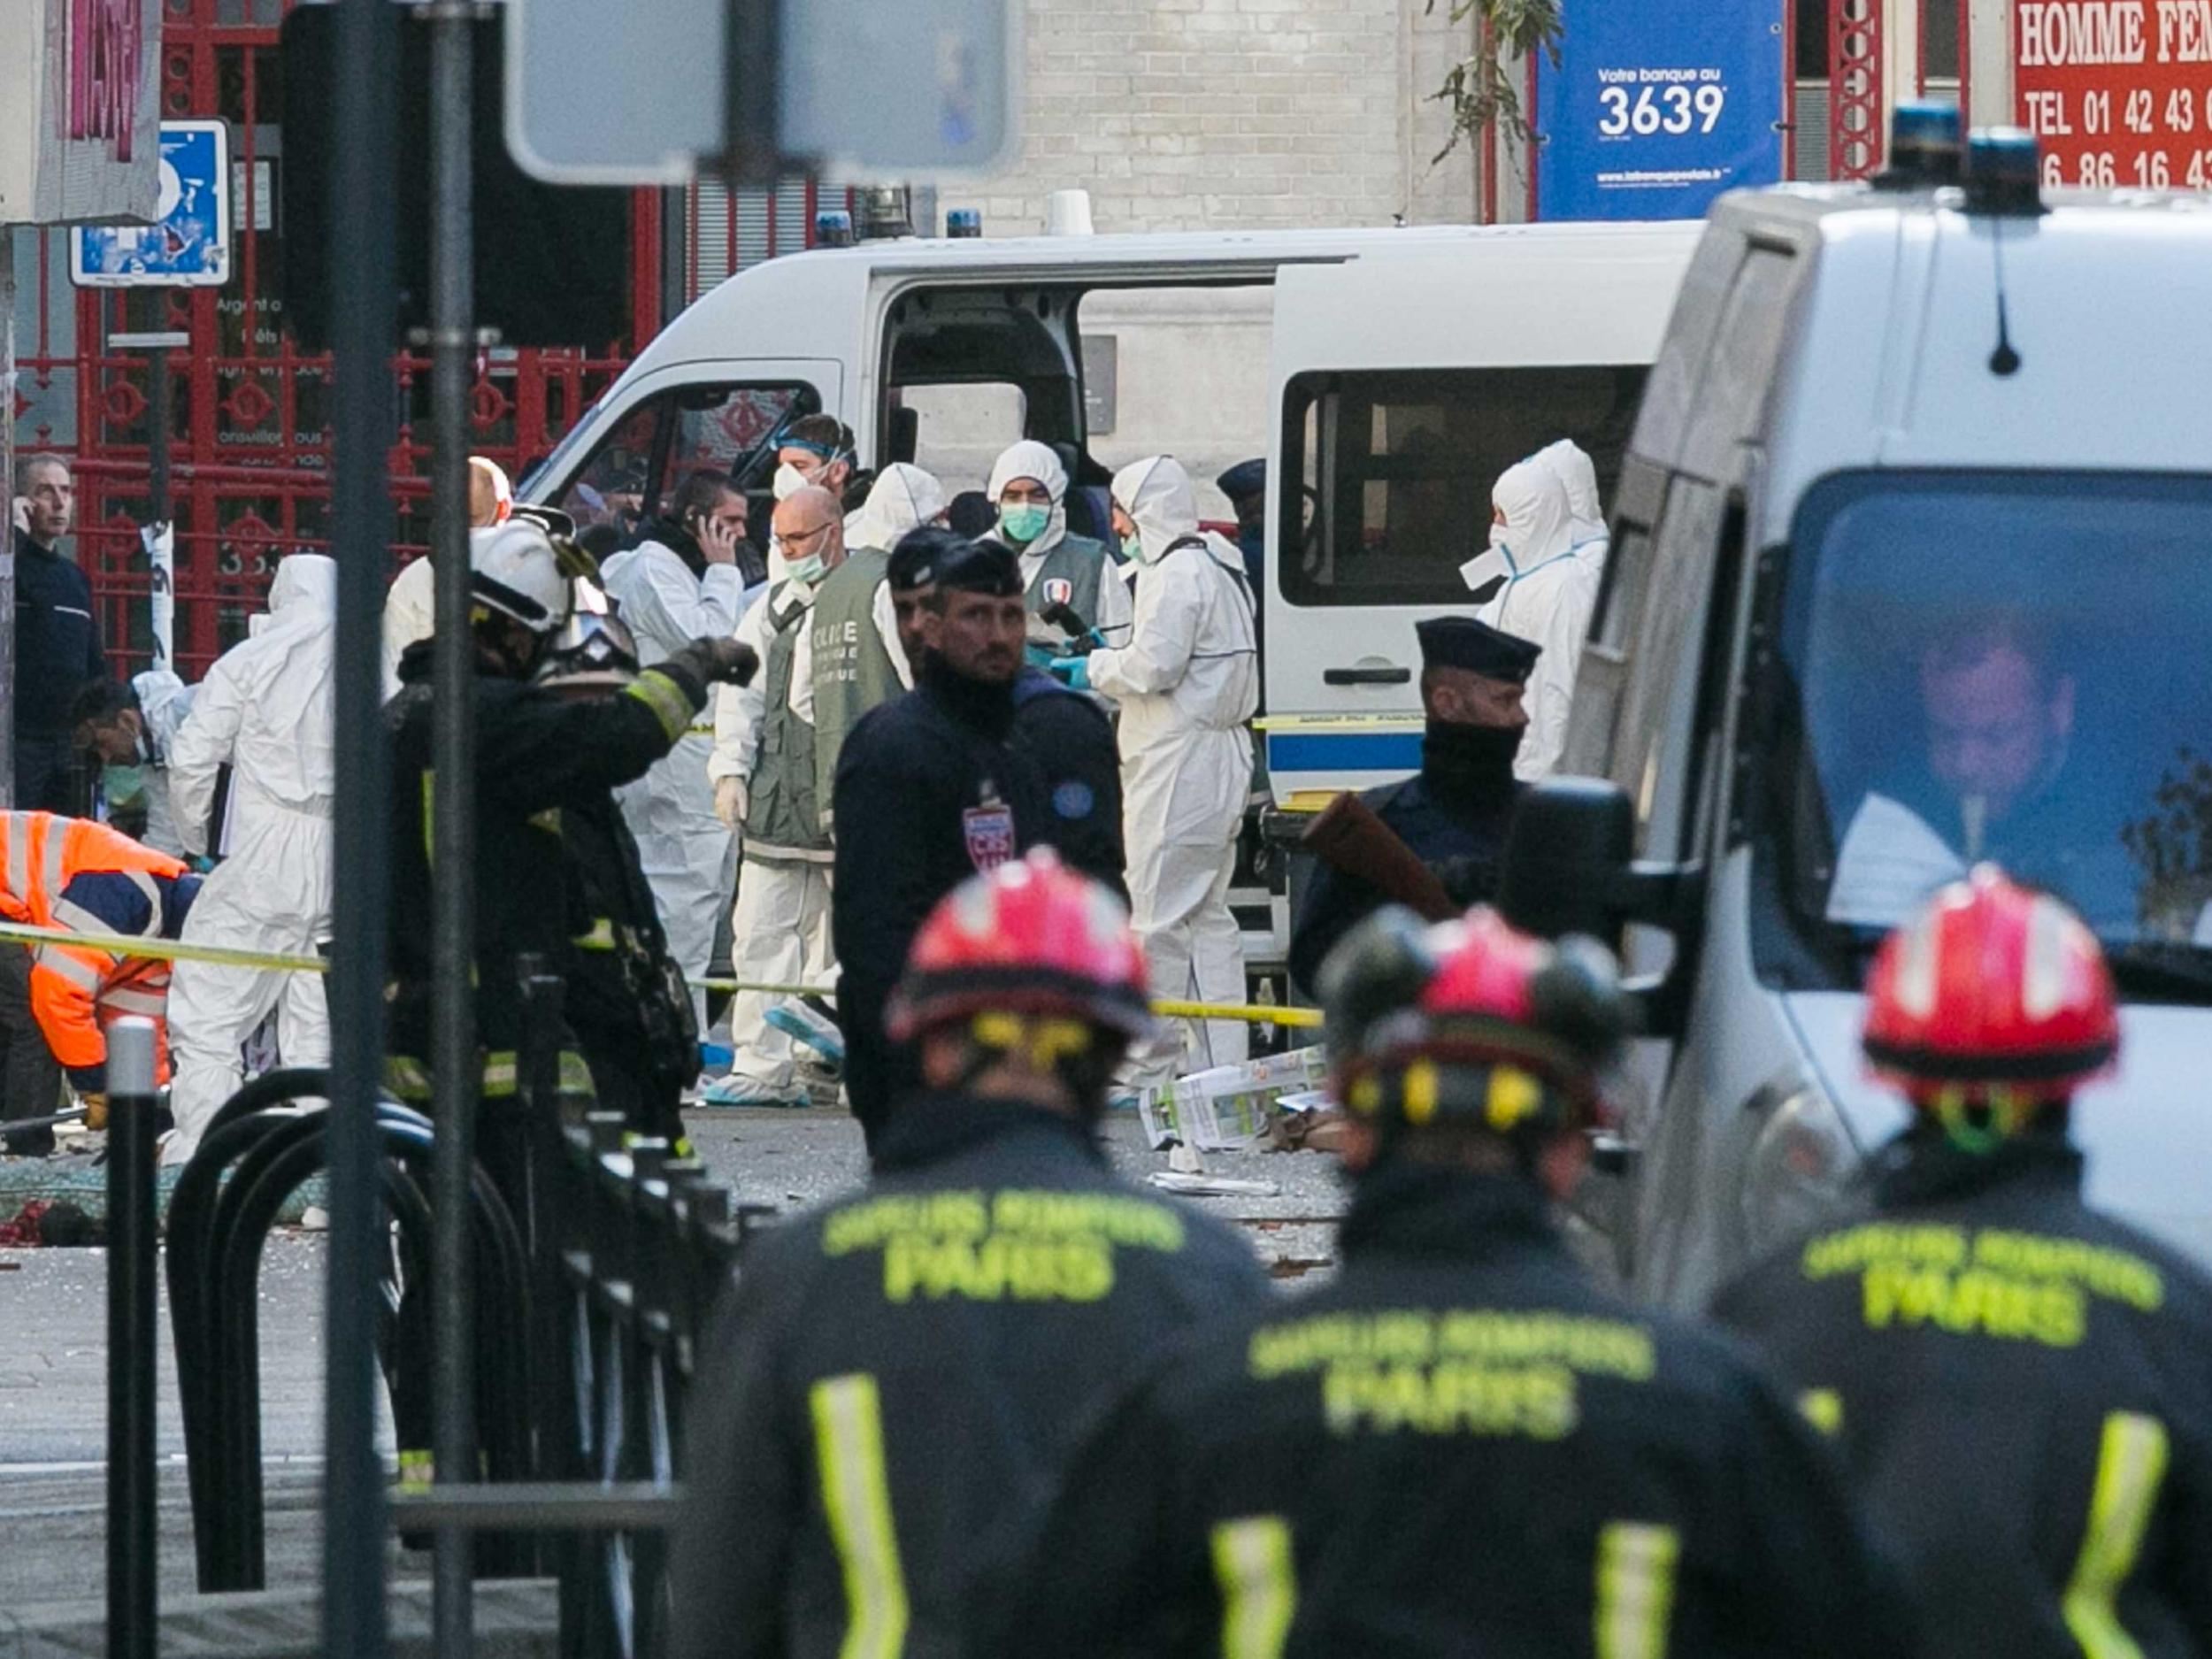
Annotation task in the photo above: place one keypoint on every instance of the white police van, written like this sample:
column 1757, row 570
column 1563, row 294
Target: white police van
column 1398, row 372
column 1406, row 369
column 1909, row 570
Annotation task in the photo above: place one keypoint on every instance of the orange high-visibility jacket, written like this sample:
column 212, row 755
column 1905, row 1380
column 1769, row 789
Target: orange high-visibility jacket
column 75, row 874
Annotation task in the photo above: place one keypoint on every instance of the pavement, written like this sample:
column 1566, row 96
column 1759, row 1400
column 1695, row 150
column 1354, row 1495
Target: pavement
column 53, row 1380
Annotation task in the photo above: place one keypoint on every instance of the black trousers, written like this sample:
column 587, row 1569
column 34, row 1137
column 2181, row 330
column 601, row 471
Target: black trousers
column 30, row 1077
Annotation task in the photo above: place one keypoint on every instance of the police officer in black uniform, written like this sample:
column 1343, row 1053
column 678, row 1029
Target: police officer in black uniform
column 538, row 754
column 1064, row 731
column 1463, row 1446
column 2021, row 1386
column 625, row 998
column 1454, row 812
column 897, row 1371
column 930, row 789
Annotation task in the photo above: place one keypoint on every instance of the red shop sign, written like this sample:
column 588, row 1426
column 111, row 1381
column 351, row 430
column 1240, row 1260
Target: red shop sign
column 2118, row 92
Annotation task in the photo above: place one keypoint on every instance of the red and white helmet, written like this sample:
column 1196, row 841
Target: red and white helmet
column 1030, row 937
column 1993, row 989
column 1491, row 1023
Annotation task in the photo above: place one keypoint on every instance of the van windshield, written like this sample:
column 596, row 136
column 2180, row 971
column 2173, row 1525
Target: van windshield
column 2010, row 667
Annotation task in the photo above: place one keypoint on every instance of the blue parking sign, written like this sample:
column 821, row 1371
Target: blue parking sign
column 1656, row 107
column 188, row 244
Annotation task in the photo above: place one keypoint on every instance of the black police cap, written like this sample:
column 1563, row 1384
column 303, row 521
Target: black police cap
column 981, row 566
column 1476, row 647
column 1246, row 477
column 920, row 551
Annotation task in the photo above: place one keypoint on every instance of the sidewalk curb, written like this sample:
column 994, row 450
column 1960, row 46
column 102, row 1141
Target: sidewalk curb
column 515, row 1619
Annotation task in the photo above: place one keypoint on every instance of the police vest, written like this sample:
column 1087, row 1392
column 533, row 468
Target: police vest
column 853, row 671
column 780, row 819
column 1068, row 575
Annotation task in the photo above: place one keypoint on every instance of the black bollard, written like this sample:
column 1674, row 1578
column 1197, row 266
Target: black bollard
column 133, row 1542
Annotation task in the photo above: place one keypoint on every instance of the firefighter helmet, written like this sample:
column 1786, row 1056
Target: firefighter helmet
column 1993, row 990
column 1030, row 937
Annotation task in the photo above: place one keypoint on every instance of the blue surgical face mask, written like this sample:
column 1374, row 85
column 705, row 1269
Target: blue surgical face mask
column 1132, row 548
column 1023, row 521
column 805, row 571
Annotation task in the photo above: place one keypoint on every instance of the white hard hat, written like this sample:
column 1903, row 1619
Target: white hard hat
column 513, row 569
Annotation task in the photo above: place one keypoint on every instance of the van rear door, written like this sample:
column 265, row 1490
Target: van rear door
column 1404, row 383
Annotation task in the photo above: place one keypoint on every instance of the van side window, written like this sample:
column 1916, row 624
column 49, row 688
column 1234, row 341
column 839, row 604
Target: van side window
column 1627, row 582
column 1386, row 479
column 1659, row 701
column 661, row 442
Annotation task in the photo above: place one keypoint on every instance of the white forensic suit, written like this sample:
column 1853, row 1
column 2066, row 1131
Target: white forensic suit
column 164, row 701
column 1187, row 683
column 689, row 857
column 903, row 498
column 1076, row 571
column 264, row 710
column 780, row 931
column 1551, row 589
column 409, row 612
column 1577, row 475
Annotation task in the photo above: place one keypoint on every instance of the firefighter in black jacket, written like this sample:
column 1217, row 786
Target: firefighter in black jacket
column 625, row 998
column 898, row 1372
column 2022, row 1387
column 537, row 753
column 1463, row 1446
column 930, row 789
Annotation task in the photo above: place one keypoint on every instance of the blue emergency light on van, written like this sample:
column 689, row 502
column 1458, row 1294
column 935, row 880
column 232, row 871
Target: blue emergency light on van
column 2003, row 172
column 964, row 222
column 1924, row 146
column 833, row 228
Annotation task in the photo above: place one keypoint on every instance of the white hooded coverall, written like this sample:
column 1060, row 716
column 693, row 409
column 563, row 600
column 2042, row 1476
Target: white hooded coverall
column 689, row 859
column 1577, row 475
column 1042, row 462
column 903, row 498
column 1187, row 683
column 265, row 710
column 1550, row 591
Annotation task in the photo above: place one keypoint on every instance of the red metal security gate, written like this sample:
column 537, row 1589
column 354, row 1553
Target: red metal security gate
column 250, row 442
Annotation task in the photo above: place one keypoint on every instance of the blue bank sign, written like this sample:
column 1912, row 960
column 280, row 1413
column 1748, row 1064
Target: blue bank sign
column 1657, row 106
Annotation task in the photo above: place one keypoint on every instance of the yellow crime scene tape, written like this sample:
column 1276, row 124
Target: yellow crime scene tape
column 1253, row 1013
column 171, row 950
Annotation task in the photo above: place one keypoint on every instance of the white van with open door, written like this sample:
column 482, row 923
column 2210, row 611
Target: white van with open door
column 1911, row 567
column 1404, row 383
column 1408, row 367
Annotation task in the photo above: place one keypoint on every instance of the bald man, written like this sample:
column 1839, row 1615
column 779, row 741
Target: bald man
column 765, row 788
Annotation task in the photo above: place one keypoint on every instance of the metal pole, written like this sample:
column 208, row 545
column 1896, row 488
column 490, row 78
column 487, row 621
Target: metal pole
column 455, row 1066
column 363, row 304
column 7, row 536
column 158, row 534
column 132, row 1610
column 752, row 71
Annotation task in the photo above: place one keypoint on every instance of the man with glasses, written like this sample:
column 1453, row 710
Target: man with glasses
column 765, row 788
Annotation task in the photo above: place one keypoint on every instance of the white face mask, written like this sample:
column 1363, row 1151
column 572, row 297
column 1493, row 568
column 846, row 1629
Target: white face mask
column 1497, row 534
column 789, row 482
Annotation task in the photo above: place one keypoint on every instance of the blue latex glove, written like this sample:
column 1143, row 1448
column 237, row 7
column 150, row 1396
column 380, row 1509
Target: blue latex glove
column 1073, row 671
column 1040, row 656
column 1097, row 640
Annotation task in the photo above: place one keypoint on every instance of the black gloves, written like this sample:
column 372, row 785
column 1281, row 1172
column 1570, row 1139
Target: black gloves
column 727, row 660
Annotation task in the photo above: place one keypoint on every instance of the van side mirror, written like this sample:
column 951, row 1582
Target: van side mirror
column 1567, row 857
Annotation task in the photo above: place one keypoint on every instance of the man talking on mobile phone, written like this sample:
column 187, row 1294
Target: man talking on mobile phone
column 685, row 579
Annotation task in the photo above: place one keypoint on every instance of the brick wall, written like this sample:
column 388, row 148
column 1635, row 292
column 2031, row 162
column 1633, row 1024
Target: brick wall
column 1232, row 115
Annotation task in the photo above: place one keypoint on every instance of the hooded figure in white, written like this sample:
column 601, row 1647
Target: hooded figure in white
column 688, row 857
column 1551, row 587
column 1057, row 568
column 1577, row 475
column 904, row 497
column 264, row 710
column 1187, row 683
